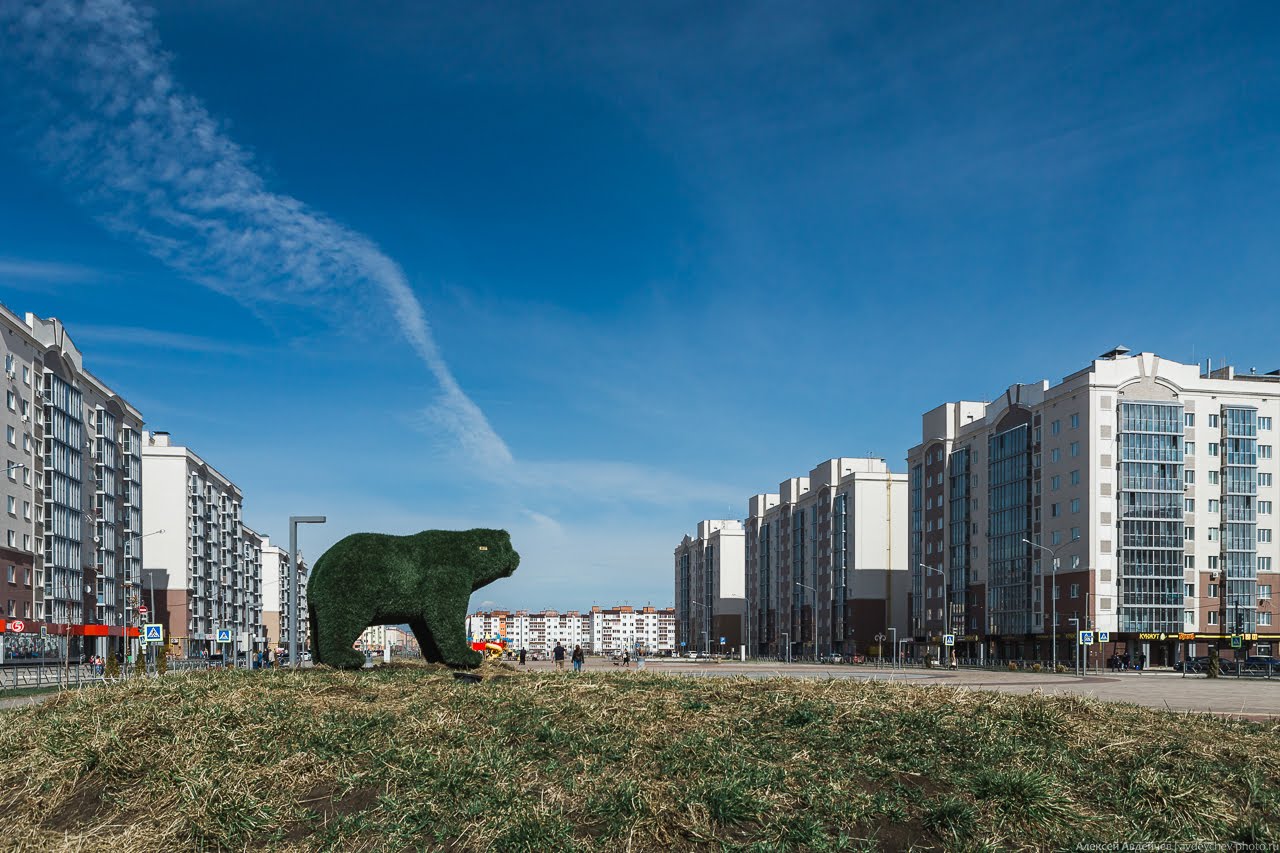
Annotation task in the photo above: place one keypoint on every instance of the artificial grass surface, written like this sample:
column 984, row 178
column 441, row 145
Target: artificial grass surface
column 409, row 758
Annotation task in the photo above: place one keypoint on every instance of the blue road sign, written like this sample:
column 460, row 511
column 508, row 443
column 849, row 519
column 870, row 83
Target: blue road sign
column 224, row 635
column 683, row 643
column 153, row 633
column 949, row 639
column 722, row 641
column 1086, row 638
column 1104, row 636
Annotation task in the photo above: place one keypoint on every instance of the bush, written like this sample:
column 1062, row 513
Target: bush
column 162, row 659
column 113, row 666
column 140, row 661
column 1035, row 667
column 1013, row 666
column 1062, row 667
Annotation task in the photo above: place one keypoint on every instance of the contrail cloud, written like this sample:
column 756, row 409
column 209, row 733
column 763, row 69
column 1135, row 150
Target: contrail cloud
column 150, row 162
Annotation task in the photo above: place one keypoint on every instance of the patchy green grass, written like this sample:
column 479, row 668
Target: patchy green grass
column 408, row 758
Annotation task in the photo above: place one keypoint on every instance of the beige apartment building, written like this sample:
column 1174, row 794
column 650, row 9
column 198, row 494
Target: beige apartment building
column 711, row 588
column 826, row 561
column 1135, row 499
column 204, row 567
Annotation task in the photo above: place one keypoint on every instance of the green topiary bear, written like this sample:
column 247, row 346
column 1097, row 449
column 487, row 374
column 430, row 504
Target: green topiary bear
column 425, row 580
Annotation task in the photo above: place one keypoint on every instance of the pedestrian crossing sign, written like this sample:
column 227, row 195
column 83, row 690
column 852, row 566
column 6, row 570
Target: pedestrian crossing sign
column 949, row 639
column 1086, row 638
column 224, row 635
column 1104, row 636
column 153, row 633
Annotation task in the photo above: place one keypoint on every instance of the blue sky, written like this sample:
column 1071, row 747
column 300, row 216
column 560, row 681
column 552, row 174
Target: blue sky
column 593, row 272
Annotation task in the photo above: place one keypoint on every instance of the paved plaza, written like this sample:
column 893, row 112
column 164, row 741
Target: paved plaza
column 1255, row 699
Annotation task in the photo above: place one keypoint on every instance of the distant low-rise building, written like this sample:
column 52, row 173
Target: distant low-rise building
column 598, row 631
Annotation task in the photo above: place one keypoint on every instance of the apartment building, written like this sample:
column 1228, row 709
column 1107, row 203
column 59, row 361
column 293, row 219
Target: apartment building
column 70, row 496
column 710, row 587
column 197, row 568
column 254, row 637
column 826, row 561
column 602, row 630
column 1136, row 497
column 376, row 638
column 276, row 594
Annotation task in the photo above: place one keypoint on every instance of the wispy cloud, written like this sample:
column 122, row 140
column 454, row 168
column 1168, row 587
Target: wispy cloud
column 24, row 273
column 151, row 163
column 156, row 339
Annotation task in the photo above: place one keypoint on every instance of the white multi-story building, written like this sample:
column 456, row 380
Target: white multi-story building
column 1149, row 484
column 711, row 587
column 827, row 560
column 71, row 512
column 252, row 603
column 376, row 638
column 600, row 631
column 196, row 565
column 276, row 596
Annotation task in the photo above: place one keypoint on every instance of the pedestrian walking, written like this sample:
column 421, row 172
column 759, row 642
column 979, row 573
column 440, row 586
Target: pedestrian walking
column 522, row 657
column 558, row 654
column 954, row 663
column 1124, row 661
column 626, row 660
column 578, row 658
column 1141, row 663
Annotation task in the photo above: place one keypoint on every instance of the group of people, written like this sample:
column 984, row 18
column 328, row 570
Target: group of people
column 1121, row 662
column 578, row 657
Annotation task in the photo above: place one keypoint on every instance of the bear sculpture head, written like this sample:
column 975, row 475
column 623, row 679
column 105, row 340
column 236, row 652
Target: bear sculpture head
column 494, row 558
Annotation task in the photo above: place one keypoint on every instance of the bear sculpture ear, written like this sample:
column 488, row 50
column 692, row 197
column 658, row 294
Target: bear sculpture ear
column 484, row 547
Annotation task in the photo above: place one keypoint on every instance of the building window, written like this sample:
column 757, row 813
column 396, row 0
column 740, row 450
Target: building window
column 1264, row 423
column 1189, row 447
column 1212, row 591
column 12, row 435
column 1213, row 420
column 1055, row 454
column 1189, row 591
column 13, row 505
column 1054, row 510
column 1189, row 561
column 1213, row 617
column 1264, row 564
column 1075, row 477
column 1075, row 561
column 1075, row 590
column 11, row 538
column 1190, row 534
column 1075, row 422
column 1213, row 448
column 1190, row 476
column 1190, row 419
column 1075, row 505
column 1215, row 505
column 1075, row 534
column 12, row 400
column 1189, row 617
column 1189, row 505
column 1055, row 427
column 1213, row 478
column 1264, row 479
column 1264, row 590
column 1057, row 537
column 1264, row 507
column 1213, row 562
column 1264, row 619
column 1213, row 534
column 1075, row 448
column 1264, row 534
column 1055, row 483
column 12, row 574
column 1264, row 451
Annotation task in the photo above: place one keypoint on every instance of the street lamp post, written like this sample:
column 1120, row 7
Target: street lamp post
column 128, row 581
column 294, row 521
column 1053, row 598
column 788, row 644
column 946, row 606
column 815, row 617
column 894, row 632
column 706, row 633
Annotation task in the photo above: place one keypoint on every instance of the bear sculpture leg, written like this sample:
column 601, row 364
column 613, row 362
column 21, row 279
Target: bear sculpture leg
column 337, row 629
column 447, row 643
